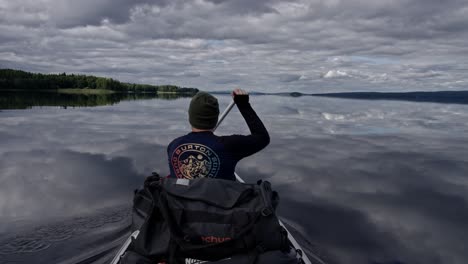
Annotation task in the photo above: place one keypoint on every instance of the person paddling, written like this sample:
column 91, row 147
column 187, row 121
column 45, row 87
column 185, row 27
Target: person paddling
column 201, row 153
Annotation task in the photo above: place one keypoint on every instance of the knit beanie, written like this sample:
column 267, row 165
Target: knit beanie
column 203, row 111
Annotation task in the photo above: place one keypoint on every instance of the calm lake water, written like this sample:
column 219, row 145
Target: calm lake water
column 360, row 181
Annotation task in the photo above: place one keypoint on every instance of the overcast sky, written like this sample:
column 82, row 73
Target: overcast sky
column 261, row 45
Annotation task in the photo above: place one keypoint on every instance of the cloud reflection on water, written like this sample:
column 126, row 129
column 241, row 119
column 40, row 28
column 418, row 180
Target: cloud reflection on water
column 369, row 198
column 369, row 182
column 48, row 183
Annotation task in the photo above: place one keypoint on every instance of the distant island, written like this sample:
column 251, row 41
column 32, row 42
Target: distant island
column 442, row 97
column 17, row 80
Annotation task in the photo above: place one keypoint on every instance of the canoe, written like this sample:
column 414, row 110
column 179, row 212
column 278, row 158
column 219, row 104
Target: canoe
column 302, row 257
column 295, row 247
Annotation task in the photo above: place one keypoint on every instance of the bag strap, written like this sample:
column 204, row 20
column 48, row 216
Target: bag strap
column 151, row 184
column 266, row 193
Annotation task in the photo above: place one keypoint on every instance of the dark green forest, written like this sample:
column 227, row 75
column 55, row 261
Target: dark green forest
column 20, row 80
column 15, row 100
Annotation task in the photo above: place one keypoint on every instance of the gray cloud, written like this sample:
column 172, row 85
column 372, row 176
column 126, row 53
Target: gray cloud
column 66, row 14
column 252, row 42
column 191, row 74
column 246, row 6
column 289, row 77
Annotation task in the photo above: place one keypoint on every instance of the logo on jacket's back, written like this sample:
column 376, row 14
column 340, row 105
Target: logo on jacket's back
column 194, row 161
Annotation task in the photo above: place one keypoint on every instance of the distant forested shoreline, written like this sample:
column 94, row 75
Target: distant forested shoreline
column 17, row 80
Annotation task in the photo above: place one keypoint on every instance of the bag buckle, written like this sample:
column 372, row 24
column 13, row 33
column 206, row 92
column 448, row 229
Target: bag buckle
column 267, row 211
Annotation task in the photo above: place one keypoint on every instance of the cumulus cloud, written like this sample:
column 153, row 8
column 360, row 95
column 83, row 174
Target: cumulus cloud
column 252, row 42
column 335, row 74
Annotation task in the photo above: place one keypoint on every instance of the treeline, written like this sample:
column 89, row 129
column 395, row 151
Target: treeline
column 14, row 100
column 21, row 80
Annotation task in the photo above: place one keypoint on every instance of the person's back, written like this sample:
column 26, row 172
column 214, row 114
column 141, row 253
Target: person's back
column 201, row 153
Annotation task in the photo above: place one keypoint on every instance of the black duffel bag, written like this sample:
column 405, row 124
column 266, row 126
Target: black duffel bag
column 205, row 219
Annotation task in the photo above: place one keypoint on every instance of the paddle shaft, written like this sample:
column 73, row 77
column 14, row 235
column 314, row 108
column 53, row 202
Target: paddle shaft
column 224, row 114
